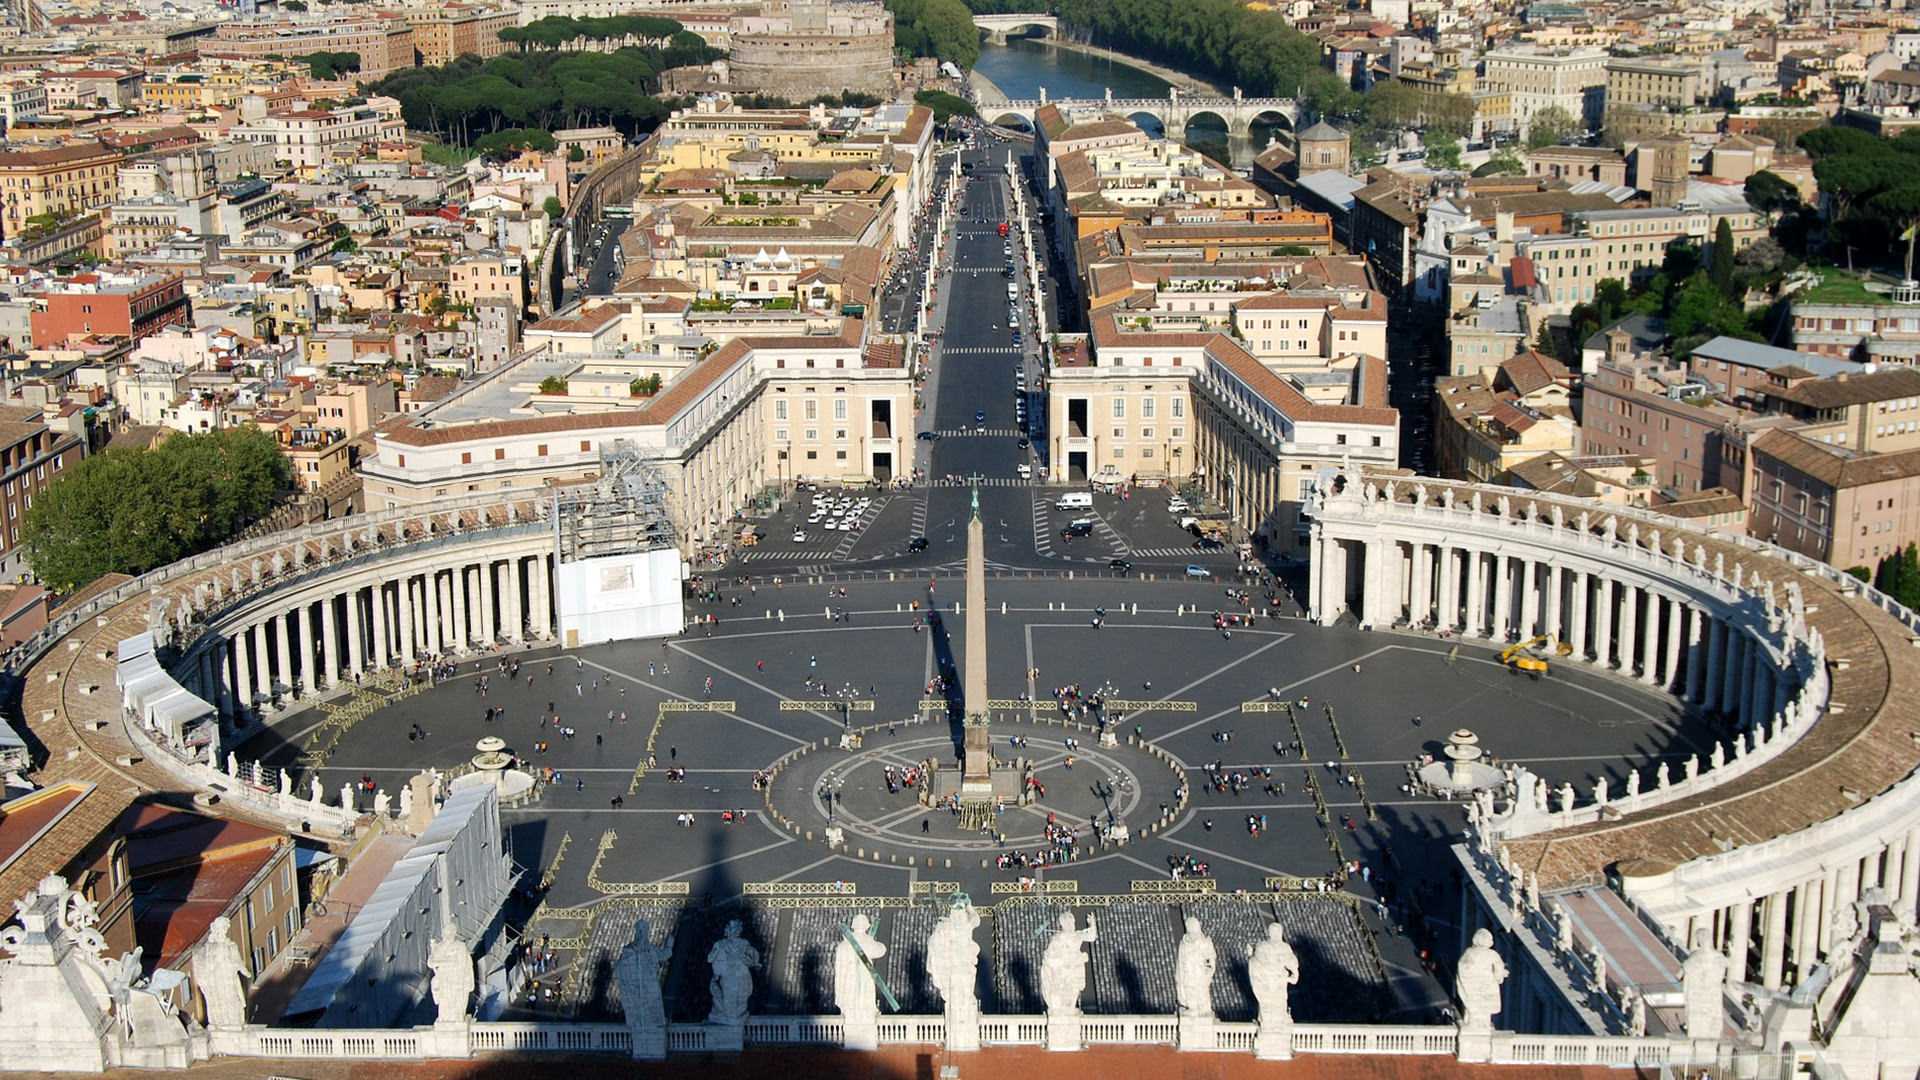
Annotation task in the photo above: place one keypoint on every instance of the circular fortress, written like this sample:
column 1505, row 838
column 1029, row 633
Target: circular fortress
column 804, row 49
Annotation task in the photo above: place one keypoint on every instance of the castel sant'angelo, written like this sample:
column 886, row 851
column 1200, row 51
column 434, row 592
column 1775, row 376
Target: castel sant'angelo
column 802, row 48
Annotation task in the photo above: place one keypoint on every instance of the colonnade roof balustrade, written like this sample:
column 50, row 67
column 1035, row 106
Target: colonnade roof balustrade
column 1865, row 744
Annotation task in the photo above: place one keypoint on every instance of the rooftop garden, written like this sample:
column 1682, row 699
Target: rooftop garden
column 1836, row 286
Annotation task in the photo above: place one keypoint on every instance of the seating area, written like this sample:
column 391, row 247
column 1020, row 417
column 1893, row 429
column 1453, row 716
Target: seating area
column 1130, row 968
column 591, row 994
column 801, row 973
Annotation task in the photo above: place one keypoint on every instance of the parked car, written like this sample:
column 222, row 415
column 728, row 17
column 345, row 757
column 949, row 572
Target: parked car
column 799, row 536
column 918, row 543
column 1195, row 570
column 1119, row 566
column 1177, row 505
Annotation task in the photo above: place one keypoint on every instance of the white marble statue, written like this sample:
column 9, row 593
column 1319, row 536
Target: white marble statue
column 1704, row 978
column 286, row 783
column 637, row 973
column 1477, row 983
column 217, row 970
column 1194, row 962
column 853, row 985
column 953, row 963
column 1063, row 967
column 382, row 803
column 733, row 959
column 1637, row 1015
column 1272, row 970
column 453, row 979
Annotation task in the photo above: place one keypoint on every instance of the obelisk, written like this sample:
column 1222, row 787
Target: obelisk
column 976, row 774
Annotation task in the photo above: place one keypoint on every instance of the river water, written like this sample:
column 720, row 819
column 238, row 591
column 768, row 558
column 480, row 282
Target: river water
column 1021, row 67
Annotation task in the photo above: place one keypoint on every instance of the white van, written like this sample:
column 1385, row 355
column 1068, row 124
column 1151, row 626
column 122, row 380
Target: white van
column 1013, row 292
column 1074, row 500
column 1024, row 470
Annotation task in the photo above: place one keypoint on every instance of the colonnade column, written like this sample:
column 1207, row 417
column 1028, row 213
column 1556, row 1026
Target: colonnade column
column 356, row 634
column 242, row 673
column 303, row 647
column 405, row 592
column 1502, row 597
column 1773, row 942
column 275, row 631
column 1553, row 627
column 1739, row 934
column 1749, row 674
column 542, row 596
column 490, row 629
column 381, row 655
column 1670, row 678
column 462, row 635
column 430, row 588
column 1804, row 911
column 1602, row 620
column 1716, row 664
column 1476, row 593
column 262, row 664
column 511, row 606
column 1629, row 627
column 1579, row 585
column 1736, row 655
column 1697, row 655
column 1419, row 597
column 1449, row 589
column 1650, row 642
column 329, row 643
column 1529, row 598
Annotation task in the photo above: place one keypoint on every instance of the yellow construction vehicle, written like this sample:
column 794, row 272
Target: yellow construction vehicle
column 1522, row 657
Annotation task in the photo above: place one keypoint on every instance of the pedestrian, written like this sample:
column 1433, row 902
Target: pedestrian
column 673, row 753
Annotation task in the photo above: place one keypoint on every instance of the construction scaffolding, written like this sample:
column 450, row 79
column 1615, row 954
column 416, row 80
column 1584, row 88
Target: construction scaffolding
column 622, row 512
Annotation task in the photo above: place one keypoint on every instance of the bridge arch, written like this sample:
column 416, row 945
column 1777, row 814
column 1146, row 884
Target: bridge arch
column 1010, row 119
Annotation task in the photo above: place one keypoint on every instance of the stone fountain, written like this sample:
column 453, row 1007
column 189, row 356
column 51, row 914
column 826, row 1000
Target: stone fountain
column 1463, row 768
column 493, row 763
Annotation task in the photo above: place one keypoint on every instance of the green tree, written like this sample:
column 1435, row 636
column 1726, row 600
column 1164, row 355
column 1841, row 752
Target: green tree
column 645, row 386
column 128, row 511
column 1504, row 163
column 1443, row 149
column 345, row 246
column 295, row 6
column 1721, row 266
column 1551, row 126
column 1769, row 194
column 577, row 153
column 945, row 106
column 553, row 384
column 553, row 208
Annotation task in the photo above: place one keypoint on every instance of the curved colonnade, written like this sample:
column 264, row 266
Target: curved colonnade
column 1810, row 802
column 306, row 613
column 1812, row 799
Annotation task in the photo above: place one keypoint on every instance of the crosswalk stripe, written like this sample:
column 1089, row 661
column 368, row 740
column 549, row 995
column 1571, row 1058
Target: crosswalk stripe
column 782, row 556
column 980, row 433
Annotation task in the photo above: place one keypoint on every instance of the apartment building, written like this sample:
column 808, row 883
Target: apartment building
column 444, row 33
column 61, row 180
column 32, row 455
column 1872, row 412
column 1623, row 244
column 310, row 138
column 1837, row 317
column 1642, row 407
column 1650, row 84
column 384, row 43
column 1833, row 504
column 757, row 412
column 110, row 305
column 1485, row 426
column 1535, row 79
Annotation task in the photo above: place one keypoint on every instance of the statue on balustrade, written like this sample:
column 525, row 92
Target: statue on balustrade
column 953, row 962
column 453, row 979
column 217, row 971
column 1272, row 971
column 854, row 992
column 637, row 973
column 733, row 959
column 1063, row 967
column 1704, row 977
column 1477, row 983
column 1193, row 966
